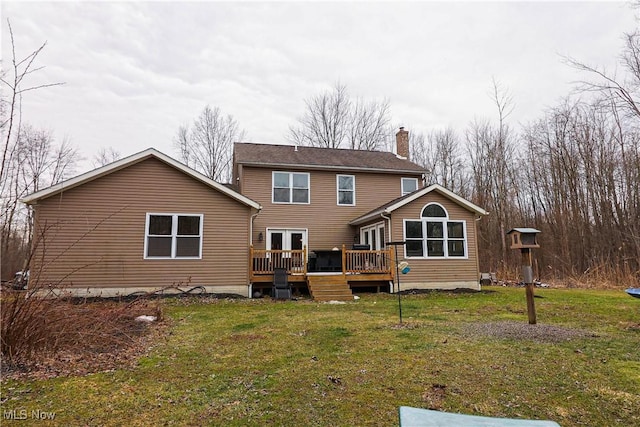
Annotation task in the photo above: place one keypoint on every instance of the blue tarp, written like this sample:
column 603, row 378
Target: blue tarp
column 416, row 417
column 634, row 292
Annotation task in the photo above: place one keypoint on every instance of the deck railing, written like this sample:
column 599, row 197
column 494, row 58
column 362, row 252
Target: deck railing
column 359, row 261
column 264, row 261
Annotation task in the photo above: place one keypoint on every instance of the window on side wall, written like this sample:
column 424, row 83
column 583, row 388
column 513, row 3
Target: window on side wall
column 173, row 236
column 290, row 187
column 409, row 185
column 346, row 188
column 434, row 235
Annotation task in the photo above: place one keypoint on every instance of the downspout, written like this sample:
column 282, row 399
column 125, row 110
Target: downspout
column 253, row 217
column 388, row 218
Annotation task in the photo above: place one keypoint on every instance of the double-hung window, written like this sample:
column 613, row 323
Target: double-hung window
column 290, row 187
column 346, row 190
column 435, row 235
column 173, row 236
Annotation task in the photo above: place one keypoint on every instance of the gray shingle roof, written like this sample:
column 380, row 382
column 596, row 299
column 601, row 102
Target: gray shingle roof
column 389, row 207
column 268, row 155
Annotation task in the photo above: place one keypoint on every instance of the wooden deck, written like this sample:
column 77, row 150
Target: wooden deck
column 358, row 267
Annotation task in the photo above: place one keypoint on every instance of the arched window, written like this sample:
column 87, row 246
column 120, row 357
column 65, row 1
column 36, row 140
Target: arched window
column 433, row 210
column 434, row 235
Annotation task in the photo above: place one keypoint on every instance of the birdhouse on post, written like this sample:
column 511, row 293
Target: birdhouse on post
column 525, row 240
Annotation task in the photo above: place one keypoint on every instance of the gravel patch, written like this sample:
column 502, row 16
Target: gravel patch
column 524, row 331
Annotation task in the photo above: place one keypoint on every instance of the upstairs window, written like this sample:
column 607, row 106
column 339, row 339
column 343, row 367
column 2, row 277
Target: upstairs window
column 434, row 235
column 409, row 185
column 290, row 187
column 169, row 236
column 346, row 190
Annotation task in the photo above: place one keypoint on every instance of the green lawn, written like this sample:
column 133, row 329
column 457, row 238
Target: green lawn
column 300, row 363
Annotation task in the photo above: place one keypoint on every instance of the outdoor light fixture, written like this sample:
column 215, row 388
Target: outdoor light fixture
column 260, row 237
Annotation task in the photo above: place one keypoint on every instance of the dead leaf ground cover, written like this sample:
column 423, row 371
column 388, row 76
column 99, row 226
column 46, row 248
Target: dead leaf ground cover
column 258, row 362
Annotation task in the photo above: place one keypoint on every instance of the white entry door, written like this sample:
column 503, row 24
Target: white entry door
column 286, row 239
column 373, row 236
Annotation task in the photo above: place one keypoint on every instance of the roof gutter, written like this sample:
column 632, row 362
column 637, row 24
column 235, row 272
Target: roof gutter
column 370, row 217
column 329, row 167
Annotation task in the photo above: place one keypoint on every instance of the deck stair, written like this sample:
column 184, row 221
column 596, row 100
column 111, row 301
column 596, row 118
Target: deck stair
column 329, row 287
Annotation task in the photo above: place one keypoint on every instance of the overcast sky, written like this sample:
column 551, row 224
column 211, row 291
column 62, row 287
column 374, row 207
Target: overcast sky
column 134, row 72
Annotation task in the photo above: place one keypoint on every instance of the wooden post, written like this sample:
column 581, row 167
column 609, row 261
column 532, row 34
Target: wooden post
column 344, row 260
column 527, row 277
column 304, row 260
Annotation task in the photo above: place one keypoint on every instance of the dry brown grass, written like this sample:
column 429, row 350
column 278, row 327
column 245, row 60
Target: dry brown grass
column 599, row 276
column 37, row 328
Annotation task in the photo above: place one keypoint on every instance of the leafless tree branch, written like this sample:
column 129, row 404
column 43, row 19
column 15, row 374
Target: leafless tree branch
column 207, row 146
column 333, row 120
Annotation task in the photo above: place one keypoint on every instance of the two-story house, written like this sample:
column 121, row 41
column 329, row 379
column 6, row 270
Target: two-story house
column 328, row 216
column 316, row 199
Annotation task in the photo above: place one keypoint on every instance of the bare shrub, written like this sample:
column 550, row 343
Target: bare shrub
column 37, row 325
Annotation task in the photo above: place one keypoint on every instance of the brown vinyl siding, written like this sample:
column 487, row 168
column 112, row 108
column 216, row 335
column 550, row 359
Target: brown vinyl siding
column 96, row 231
column 438, row 270
column 326, row 221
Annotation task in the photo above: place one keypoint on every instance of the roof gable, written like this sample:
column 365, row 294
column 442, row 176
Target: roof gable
column 391, row 206
column 130, row 161
column 301, row 157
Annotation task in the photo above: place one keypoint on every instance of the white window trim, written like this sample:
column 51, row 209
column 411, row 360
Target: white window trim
column 444, row 220
column 174, row 234
column 291, row 173
column 402, row 191
column 353, row 190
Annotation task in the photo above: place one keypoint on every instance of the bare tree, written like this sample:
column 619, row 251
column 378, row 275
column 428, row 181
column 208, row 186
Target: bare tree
column 495, row 183
column 36, row 163
column 588, row 198
column 325, row 121
column 333, row 120
column 368, row 124
column 207, row 145
column 440, row 154
column 104, row 156
column 623, row 91
column 15, row 177
column 14, row 81
column 420, row 151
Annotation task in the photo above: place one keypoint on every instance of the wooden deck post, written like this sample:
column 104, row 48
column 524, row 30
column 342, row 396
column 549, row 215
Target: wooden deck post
column 304, row 260
column 344, row 260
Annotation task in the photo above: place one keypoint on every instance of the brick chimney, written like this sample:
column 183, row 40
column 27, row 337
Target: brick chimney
column 402, row 143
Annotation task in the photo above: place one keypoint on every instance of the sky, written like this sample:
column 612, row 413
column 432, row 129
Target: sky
column 134, row 72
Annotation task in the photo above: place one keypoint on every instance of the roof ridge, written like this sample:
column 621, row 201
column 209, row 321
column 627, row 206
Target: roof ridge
column 312, row 147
